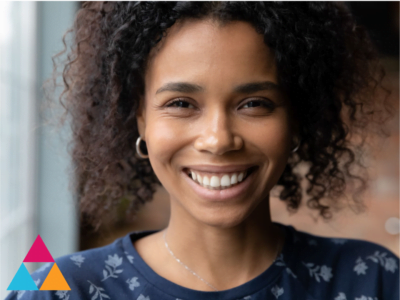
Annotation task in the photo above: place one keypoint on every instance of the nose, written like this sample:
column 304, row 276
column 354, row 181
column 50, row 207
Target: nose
column 217, row 136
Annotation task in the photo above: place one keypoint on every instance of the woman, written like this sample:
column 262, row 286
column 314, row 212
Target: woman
column 219, row 102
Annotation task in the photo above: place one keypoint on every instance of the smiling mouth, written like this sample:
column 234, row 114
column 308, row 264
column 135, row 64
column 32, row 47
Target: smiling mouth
column 220, row 182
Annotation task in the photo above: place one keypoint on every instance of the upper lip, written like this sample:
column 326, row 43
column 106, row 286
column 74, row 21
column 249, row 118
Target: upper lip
column 220, row 169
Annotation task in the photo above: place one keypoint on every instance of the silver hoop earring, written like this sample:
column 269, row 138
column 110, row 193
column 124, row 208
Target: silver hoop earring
column 138, row 151
column 297, row 147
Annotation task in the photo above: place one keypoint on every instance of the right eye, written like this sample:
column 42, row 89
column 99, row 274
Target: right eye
column 180, row 103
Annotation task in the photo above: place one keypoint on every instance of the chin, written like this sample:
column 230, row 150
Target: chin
column 222, row 218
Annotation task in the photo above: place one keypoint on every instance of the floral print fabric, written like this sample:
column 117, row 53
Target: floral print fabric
column 309, row 267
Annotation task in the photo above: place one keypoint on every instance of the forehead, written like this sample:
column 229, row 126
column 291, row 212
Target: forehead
column 205, row 50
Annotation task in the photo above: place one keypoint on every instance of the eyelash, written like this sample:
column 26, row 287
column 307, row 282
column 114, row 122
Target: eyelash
column 177, row 101
column 266, row 104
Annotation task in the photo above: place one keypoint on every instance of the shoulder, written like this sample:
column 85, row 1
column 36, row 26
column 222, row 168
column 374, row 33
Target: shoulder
column 346, row 251
column 353, row 266
column 321, row 247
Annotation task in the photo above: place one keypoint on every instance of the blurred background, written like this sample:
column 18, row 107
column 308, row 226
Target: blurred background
column 34, row 194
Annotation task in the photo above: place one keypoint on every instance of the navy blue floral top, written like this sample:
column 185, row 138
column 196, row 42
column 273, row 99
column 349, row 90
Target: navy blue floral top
column 309, row 267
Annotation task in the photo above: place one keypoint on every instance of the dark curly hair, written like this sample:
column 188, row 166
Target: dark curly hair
column 326, row 63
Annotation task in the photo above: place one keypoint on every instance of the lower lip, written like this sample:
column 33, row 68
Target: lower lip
column 221, row 195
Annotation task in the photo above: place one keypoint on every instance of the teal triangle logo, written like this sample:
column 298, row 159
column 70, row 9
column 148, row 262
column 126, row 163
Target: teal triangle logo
column 22, row 280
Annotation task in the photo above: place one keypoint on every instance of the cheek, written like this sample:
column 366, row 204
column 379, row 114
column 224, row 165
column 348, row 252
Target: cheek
column 273, row 142
column 273, row 138
column 165, row 140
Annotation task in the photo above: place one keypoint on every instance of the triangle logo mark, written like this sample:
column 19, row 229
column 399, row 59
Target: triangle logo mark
column 38, row 252
column 55, row 281
column 22, row 280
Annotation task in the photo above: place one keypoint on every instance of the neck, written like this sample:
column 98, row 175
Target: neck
column 225, row 257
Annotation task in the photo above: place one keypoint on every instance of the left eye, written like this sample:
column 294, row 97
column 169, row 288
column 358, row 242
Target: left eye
column 180, row 103
column 256, row 103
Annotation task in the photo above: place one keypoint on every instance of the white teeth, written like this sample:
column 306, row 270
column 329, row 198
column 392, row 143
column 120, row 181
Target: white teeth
column 234, row 179
column 240, row 177
column 199, row 179
column 217, row 182
column 225, row 181
column 214, row 181
column 206, row 181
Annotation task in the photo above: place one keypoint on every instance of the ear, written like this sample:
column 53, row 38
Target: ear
column 141, row 117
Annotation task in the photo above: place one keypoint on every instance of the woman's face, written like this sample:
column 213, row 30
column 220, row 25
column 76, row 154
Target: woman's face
column 213, row 106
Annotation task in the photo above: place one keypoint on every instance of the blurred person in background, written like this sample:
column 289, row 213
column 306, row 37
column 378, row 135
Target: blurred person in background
column 220, row 102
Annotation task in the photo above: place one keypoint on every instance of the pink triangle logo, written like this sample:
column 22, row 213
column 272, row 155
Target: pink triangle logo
column 38, row 252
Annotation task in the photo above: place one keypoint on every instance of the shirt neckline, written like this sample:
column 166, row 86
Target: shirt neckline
column 268, row 277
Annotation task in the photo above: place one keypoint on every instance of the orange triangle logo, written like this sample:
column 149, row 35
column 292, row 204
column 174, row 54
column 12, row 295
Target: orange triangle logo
column 55, row 281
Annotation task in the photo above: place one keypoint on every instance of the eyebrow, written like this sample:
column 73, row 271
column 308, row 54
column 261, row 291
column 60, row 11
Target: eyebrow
column 247, row 88
column 252, row 87
column 183, row 87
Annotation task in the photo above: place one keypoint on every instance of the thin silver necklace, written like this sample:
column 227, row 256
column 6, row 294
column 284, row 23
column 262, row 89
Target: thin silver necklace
column 194, row 273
